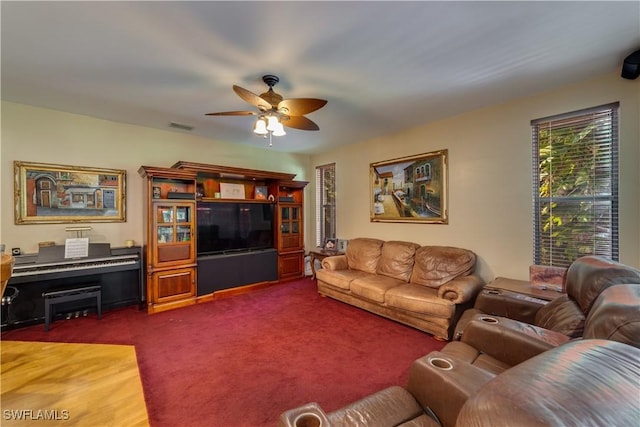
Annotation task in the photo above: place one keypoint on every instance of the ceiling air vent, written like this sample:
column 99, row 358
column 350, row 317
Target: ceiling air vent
column 180, row 126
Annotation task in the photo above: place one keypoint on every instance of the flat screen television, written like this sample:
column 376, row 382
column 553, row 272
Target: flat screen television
column 234, row 226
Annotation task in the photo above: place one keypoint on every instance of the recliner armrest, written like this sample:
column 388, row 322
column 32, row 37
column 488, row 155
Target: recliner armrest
column 514, row 305
column 336, row 262
column 461, row 289
column 508, row 340
column 443, row 384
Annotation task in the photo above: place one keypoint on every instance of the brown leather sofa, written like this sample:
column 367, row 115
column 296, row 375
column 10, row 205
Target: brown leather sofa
column 586, row 382
column 508, row 372
column 427, row 287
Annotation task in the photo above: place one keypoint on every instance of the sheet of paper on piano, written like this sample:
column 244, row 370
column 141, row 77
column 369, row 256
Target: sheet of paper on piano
column 76, row 248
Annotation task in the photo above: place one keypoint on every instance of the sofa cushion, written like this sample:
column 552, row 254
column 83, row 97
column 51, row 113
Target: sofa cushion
column 435, row 265
column 561, row 315
column 363, row 254
column 374, row 287
column 340, row 278
column 396, row 260
column 419, row 299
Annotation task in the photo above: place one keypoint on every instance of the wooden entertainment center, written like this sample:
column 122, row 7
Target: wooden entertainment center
column 179, row 271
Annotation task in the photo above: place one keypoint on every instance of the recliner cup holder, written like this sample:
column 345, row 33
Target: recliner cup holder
column 307, row 420
column 440, row 363
column 489, row 319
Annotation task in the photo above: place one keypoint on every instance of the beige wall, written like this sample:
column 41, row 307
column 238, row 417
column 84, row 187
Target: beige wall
column 39, row 135
column 490, row 199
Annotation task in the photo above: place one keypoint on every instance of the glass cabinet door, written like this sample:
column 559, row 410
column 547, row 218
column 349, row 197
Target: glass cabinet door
column 173, row 223
column 290, row 228
column 290, row 220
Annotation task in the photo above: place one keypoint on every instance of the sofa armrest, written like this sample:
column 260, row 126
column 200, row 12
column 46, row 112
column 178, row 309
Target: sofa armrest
column 307, row 415
column 461, row 289
column 336, row 262
column 508, row 340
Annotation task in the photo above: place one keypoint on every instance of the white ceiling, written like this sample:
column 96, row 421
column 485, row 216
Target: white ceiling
column 382, row 66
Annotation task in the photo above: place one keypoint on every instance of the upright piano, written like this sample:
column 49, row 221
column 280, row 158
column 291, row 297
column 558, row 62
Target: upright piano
column 118, row 271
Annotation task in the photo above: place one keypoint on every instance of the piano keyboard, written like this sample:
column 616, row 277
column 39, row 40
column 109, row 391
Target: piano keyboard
column 73, row 265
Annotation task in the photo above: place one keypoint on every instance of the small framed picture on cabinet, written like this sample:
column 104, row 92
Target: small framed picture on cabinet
column 261, row 192
column 156, row 192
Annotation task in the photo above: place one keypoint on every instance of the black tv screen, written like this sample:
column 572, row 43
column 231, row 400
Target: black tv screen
column 234, row 226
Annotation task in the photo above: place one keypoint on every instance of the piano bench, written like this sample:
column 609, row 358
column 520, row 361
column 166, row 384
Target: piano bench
column 57, row 297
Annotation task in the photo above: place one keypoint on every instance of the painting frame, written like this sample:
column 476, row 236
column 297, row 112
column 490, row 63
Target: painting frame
column 412, row 189
column 47, row 193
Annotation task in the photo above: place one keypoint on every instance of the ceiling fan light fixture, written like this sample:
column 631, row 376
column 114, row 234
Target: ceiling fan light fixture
column 272, row 123
column 260, row 127
column 279, row 131
column 274, row 109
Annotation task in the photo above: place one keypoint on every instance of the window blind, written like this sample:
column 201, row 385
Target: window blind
column 325, row 203
column 575, row 185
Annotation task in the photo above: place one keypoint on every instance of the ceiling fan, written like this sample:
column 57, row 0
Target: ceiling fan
column 274, row 109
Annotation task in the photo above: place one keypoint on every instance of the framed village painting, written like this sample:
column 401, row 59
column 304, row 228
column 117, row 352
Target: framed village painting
column 50, row 194
column 410, row 189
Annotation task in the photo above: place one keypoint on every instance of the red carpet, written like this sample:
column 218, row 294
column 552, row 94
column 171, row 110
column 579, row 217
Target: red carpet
column 243, row 360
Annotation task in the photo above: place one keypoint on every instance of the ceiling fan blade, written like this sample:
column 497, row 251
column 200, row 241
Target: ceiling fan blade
column 300, row 106
column 300, row 122
column 252, row 98
column 233, row 113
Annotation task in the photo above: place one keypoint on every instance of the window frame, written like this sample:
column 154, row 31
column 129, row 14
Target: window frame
column 608, row 114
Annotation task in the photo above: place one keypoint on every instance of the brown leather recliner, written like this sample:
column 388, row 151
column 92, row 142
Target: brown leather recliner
column 497, row 343
column 565, row 386
column 601, row 296
column 586, row 278
column 590, row 382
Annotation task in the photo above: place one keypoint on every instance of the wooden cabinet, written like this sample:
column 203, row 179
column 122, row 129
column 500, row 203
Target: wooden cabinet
column 170, row 238
column 249, row 185
column 291, row 229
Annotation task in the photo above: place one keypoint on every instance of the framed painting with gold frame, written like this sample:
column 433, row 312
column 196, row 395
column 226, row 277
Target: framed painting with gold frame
column 49, row 194
column 410, row 189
